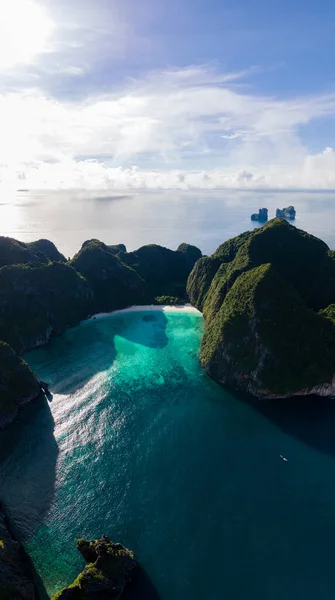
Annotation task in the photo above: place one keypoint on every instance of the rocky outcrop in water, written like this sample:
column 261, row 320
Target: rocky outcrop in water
column 18, row 384
column 109, row 568
column 15, row 576
column 268, row 300
column 261, row 216
column 286, row 213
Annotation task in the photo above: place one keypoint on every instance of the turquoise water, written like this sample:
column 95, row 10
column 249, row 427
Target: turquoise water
column 137, row 443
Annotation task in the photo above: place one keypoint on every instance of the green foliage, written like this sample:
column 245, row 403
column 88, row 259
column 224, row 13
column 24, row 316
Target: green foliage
column 36, row 301
column 106, row 576
column 13, row 252
column 167, row 300
column 258, row 300
column 163, row 271
column 18, row 384
column 114, row 283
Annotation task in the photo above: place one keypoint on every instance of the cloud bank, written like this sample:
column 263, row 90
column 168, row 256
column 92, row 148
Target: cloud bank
column 191, row 128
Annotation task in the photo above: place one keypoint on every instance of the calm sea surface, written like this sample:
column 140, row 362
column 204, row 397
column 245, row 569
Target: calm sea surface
column 205, row 219
column 137, row 443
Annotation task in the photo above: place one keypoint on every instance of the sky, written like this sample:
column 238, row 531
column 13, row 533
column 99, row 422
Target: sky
column 164, row 94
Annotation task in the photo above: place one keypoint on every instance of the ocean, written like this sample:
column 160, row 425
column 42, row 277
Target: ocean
column 204, row 219
column 139, row 444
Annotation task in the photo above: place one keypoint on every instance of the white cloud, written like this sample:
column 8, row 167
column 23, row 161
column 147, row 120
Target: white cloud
column 194, row 118
column 24, row 30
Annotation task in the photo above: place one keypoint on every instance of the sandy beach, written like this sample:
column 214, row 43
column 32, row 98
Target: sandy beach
column 185, row 308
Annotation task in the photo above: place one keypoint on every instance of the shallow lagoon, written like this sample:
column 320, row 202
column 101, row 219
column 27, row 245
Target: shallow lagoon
column 139, row 444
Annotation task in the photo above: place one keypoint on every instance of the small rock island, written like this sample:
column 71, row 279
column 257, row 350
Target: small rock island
column 286, row 213
column 109, row 568
column 261, row 216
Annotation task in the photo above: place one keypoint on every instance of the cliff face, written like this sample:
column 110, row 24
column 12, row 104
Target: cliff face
column 110, row 567
column 18, row 384
column 163, row 271
column 113, row 283
column 36, row 301
column 261, row 295
column 15, row 581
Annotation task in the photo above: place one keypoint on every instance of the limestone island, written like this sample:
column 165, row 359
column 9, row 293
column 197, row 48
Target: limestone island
column 109, row 568
column 286, row 213
column 261, row 216
column 268, row 299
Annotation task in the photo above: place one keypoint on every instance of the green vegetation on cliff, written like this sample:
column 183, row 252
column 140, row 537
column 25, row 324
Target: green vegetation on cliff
column 262, row 334
column 18, row 384
column 114, row 284
column 13, row 252
column 38, row 300
column 109, row 568
column 163, row 271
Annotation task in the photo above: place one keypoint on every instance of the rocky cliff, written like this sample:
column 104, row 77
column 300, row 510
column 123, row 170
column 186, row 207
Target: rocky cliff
column 18, row 384
column 109, row 568
column 163, row 271
column 114, row 284
column 267, row 299
column 15, row 577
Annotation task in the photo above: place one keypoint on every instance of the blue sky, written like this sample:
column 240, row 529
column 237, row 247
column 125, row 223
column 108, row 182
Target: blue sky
column 111, row 94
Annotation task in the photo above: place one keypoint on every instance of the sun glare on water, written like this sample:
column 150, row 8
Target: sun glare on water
column 24, row 29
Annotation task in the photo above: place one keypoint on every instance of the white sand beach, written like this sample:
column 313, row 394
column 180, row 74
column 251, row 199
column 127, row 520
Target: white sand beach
column 185, row 308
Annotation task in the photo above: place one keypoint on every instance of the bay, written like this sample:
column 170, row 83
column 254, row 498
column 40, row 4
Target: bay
column 139, row 444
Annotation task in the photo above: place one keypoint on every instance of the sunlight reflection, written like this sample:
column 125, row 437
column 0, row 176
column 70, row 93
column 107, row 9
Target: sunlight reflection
column 24, row 29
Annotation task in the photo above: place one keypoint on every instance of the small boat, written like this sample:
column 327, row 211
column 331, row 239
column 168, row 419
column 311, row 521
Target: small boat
column 283, row 458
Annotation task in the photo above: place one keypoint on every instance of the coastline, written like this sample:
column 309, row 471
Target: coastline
column 184, row 308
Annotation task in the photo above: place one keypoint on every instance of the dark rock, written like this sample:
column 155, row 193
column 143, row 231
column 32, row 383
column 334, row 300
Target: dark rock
column 261, row 216
column 15, row 578
column 110, row 567
column 18, row 384
column 286, row 213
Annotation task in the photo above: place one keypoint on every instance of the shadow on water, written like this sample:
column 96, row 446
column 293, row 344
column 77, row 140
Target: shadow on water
column 141, row 588
column 28, row 449
column 310, row 419
column 28, row 456
column 71, row 360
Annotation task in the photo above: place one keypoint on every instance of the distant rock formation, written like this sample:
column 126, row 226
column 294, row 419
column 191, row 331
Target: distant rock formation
column 261, row 216
column 109, row 568
column 268, row 298
column 286, row 213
